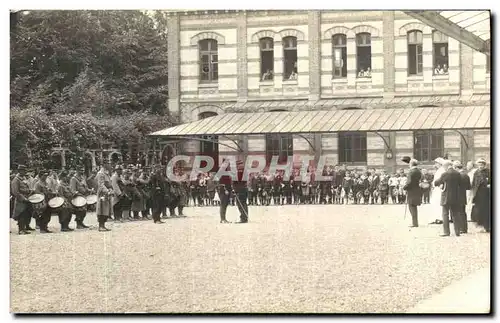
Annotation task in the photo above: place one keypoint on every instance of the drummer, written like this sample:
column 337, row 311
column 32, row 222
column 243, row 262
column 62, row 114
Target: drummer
column 42, row 187
column 66, row 211
column 22, row 207
column 78, row 186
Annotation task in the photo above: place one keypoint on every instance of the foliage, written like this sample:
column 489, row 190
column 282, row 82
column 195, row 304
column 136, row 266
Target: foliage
column 83, row 77
column 34, row 133
column 102, row 62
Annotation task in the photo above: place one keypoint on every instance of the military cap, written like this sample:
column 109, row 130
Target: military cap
column 481, row 161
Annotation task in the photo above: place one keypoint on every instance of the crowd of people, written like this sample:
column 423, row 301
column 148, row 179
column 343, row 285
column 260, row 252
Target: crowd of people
column 137, row 193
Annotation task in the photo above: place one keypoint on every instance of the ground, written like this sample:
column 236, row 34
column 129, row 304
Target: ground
column 331, row 259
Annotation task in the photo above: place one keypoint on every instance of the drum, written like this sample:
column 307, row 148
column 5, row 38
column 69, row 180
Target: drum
column 38, row 202
column 79, row 202
column 56, row 202
column 91, row 199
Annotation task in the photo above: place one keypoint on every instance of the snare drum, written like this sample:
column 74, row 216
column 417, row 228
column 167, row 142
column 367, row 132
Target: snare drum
column 79, row 202
column 56, row 203
column 91, row 199
column 38, row 202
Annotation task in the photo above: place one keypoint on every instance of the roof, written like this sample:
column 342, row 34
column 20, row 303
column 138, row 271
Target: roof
column 476, row 22
column 325, row 121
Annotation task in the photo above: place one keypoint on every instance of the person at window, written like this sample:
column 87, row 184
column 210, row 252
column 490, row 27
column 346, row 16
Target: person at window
column 268, row 75
column 445, row 69
column 293, row 76
column 437, row 70
column 361, row 73
column 368, row 72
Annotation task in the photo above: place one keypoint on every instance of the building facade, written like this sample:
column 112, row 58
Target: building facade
column 255, row 61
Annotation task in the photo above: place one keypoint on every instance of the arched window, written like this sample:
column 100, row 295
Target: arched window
column 364, row 54
column 440, row 52
column 280, row 145
column 339, row 44
column 415, row 62
column 289, row 58
column 209, row 147
column 209, row 71
column 266, row 58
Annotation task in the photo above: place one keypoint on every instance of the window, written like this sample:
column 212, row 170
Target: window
column 211, row 147
column 364, row 54
column 266, row 59
column 415, row 53
column 339, row 51
column 289, row 58
column 278, row 145
column 429, row 145
column 440, row 53
column 352, row 147
column 209, row 71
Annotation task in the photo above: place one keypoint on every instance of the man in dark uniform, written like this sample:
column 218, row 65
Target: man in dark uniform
column 225, row 188
column 373, row 186
column 414, row 195
column 254, row 189
column 157, row 194
column 277, row 189
column 41, row 187
column 79, row 187
column 241, row 193
column 22, row 207
column 462, row 199
column 481, row 195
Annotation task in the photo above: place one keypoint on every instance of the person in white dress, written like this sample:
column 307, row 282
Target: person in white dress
column 435, row 200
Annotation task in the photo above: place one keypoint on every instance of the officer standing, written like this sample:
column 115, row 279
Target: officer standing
column 241, row 193
column 225, row 188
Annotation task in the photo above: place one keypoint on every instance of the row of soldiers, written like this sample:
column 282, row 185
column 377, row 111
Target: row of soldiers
column 122, row 195
column 345, row 186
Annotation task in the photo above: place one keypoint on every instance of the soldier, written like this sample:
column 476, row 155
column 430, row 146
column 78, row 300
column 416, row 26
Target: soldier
column 22, row 207
column 383, row 188
column 142, row 183
column 78, row 186
column 287, row 190
column 157, row 182
column 118, row 193
column 138, row 202
column 225, row 188
column 183, row 186
column 211, row 187
column 104, row 207
column 42, row 187
column 241, row 193
column 66, row 211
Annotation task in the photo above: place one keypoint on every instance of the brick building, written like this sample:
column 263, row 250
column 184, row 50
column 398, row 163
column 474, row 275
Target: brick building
column 261, row 61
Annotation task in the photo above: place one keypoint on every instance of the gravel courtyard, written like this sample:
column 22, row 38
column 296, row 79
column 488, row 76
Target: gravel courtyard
column 287, row 259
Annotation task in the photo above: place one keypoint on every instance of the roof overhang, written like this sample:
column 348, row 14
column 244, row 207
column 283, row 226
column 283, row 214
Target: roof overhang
column 332, row 121
column 471, row 28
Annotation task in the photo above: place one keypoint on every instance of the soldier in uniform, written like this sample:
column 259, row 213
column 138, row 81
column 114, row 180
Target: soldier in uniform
column 157, row 183
column 142, row 183
column 383, row 188
column 22, row 207
column 66, row 211
column 118, row 194
column 42, row 187
column 183, row 187
column 225, row 188
column 78, row 186
column 241, row 193
column 104, row 207
column 138, row 203
column 287, row 190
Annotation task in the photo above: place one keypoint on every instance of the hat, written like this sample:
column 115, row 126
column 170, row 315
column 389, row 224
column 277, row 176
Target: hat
column 21, row 167
column 406, row 159
column 413, row 161
column 457, row 164
column 481, row 161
